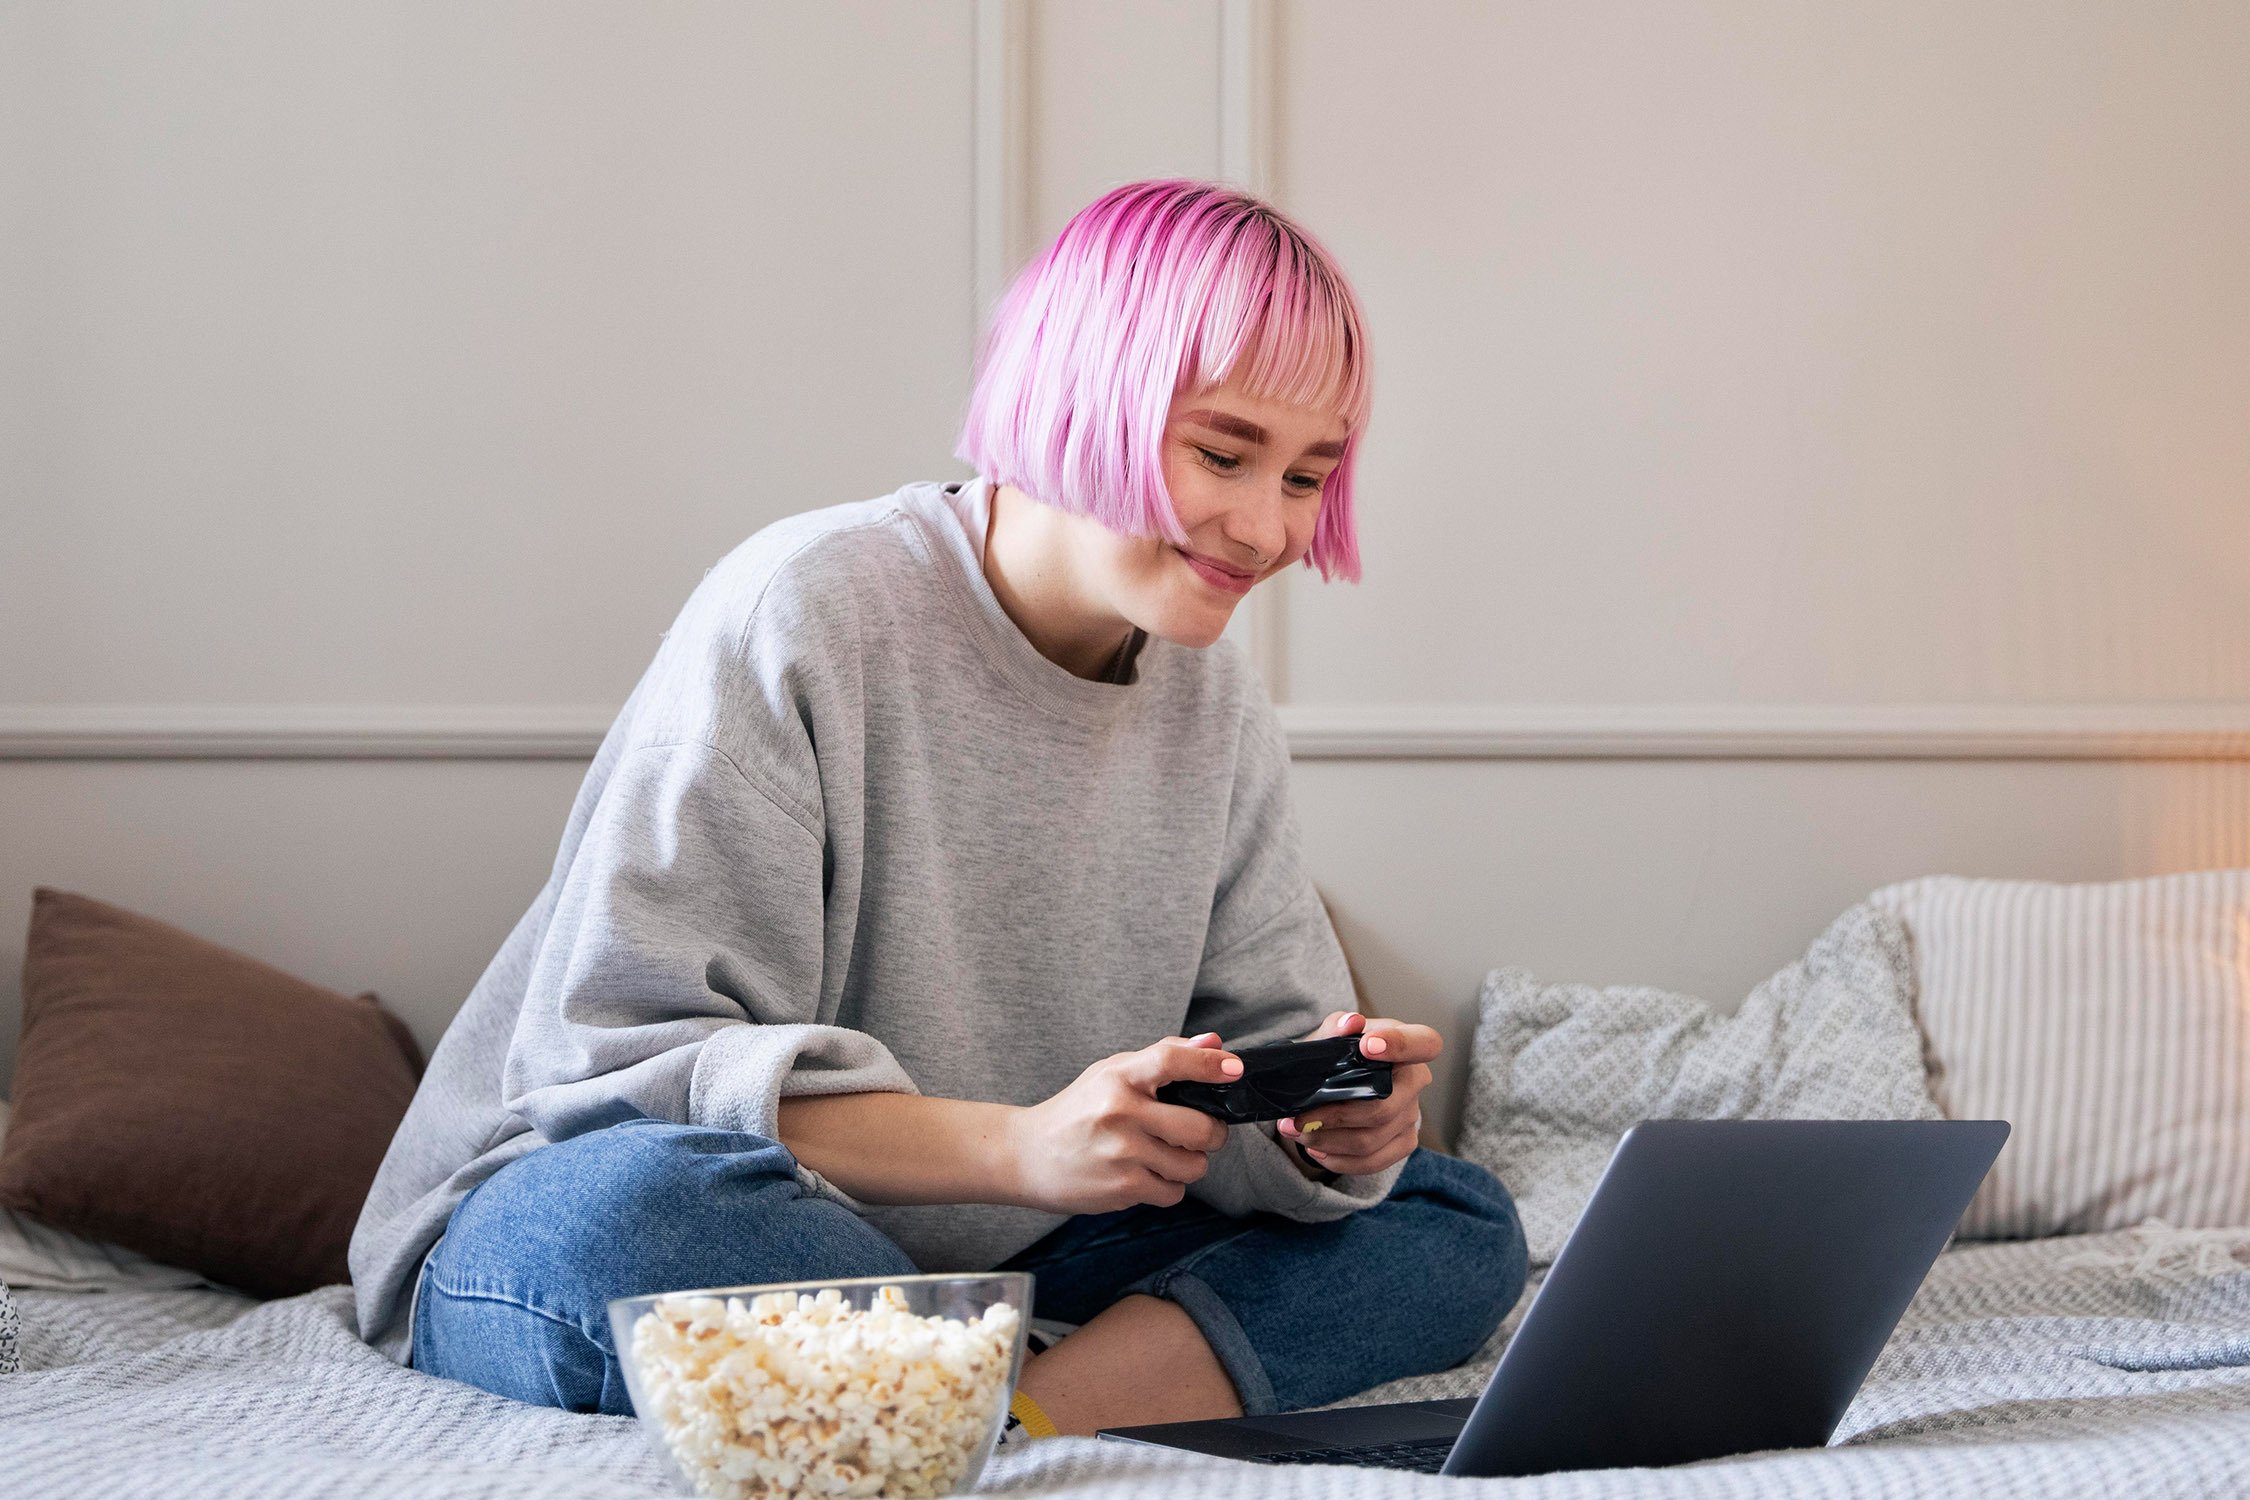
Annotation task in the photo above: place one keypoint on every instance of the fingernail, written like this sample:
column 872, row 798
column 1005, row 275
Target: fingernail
column 1231, row 1065
column 1372, row 1044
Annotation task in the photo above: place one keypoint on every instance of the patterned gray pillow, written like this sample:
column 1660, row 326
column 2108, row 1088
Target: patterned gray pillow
column 11, row 1356
column 1559, row 1071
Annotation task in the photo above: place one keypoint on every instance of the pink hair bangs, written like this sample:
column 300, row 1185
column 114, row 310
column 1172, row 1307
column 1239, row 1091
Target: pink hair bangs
column 1156, row 288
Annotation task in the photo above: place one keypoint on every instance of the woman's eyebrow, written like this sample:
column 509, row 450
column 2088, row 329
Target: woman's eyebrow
column 1251, row 432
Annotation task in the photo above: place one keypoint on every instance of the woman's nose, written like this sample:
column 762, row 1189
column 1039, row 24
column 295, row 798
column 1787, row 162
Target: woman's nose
column 1262, row 529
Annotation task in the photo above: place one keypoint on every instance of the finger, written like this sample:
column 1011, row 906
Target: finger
column 1388, row 1124
column 1171, row 1162
column 1160, row 1062
column 1357, row 1113
column 1373, row 1161
column 1348, row 1142
column 1407, row 1082
column 1303, row 1127
column 1400, row 1042
column 1356, row 1166
column 1189, row 1129
column 1373, row 1154
column 1160, row 1190
column 1335, row 1023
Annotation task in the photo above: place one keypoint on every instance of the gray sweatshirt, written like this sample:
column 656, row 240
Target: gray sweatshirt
column 852, row 831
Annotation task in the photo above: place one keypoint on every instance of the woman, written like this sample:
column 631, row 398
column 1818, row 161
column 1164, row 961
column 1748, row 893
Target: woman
column 941, row 831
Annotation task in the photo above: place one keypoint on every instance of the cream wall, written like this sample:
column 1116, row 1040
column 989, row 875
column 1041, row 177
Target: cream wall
column 1810, row 445
column 1785, row 353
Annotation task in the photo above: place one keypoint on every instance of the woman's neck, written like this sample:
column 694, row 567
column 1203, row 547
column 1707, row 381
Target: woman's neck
column 1036, row 574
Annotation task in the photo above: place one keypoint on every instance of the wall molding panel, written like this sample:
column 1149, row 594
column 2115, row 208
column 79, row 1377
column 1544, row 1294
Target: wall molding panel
column 1000, row 186
column 1249, row 150
column 1776, row 535
column 1317, row 731
column 1248, row 147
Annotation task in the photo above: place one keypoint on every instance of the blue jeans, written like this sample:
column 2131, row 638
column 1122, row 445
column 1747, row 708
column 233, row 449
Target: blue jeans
column 515, row 1296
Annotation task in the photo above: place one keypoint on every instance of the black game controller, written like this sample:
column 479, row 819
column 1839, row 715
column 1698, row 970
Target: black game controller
column 1281, row 1078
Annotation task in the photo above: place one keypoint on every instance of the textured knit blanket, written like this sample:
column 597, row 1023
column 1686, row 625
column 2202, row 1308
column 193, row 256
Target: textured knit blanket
column 2097, row 1366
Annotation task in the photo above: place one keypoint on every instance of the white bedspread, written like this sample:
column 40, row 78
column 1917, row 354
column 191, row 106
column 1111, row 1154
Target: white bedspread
column 2114, row 1367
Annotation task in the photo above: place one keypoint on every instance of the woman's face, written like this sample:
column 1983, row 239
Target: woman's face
column 1245, row 476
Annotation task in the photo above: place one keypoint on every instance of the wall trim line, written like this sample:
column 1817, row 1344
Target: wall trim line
column 1316, row 731
column 126, row 731
column 1784, row 731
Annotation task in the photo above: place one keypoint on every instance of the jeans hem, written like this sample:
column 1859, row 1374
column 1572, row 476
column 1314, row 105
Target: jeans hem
column 1224, row 1333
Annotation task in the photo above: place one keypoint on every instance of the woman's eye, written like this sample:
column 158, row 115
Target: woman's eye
column 1307, row 483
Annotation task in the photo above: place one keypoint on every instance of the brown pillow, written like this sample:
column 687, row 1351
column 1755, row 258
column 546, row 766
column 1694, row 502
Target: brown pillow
column 188, row 1102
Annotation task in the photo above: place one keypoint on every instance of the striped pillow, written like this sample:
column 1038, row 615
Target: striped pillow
column 2110, row 1023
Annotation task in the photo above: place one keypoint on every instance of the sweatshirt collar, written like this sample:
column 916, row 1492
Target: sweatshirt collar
column 958, row 514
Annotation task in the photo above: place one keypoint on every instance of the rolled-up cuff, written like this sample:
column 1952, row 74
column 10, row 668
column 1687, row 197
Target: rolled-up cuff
column 1221, row 1330
column 817, row 1186
column 742, row 1072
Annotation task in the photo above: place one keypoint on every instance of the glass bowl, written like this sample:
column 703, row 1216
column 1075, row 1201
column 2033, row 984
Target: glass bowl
column 869, row 1385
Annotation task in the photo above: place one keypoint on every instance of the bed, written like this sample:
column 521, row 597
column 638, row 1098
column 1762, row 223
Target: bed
column 2080, row 1365
column 2039, row 1358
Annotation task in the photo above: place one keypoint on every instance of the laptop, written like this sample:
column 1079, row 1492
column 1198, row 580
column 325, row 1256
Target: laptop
column 1726, row 1291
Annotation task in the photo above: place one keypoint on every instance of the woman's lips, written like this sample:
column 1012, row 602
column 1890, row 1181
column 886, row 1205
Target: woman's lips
column 1218, row 578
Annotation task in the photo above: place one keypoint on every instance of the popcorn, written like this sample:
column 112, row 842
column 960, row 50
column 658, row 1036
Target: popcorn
column 797, row 1393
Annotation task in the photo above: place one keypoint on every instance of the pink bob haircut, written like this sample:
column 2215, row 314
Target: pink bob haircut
column 1157, row 288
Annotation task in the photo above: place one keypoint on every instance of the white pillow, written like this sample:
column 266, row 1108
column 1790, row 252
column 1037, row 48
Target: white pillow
column 2110, row 1023
column 35, row 1256
column 1558, row 1072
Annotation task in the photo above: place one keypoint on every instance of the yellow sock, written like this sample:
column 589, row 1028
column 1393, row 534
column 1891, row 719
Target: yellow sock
column 1035, row 1421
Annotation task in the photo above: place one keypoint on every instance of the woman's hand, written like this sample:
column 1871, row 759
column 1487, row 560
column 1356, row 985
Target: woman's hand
column 1367, row 1135
column 1107, row 1142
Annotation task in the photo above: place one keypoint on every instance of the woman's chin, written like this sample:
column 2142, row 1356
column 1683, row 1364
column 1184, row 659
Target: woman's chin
column 1193, row 628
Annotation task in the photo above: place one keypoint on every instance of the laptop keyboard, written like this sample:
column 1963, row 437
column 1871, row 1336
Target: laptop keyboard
column 1425, row 1455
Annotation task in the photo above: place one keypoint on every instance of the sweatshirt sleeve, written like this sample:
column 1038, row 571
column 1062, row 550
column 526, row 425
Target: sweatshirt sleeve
column 1272, row 969
column 679, row 975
